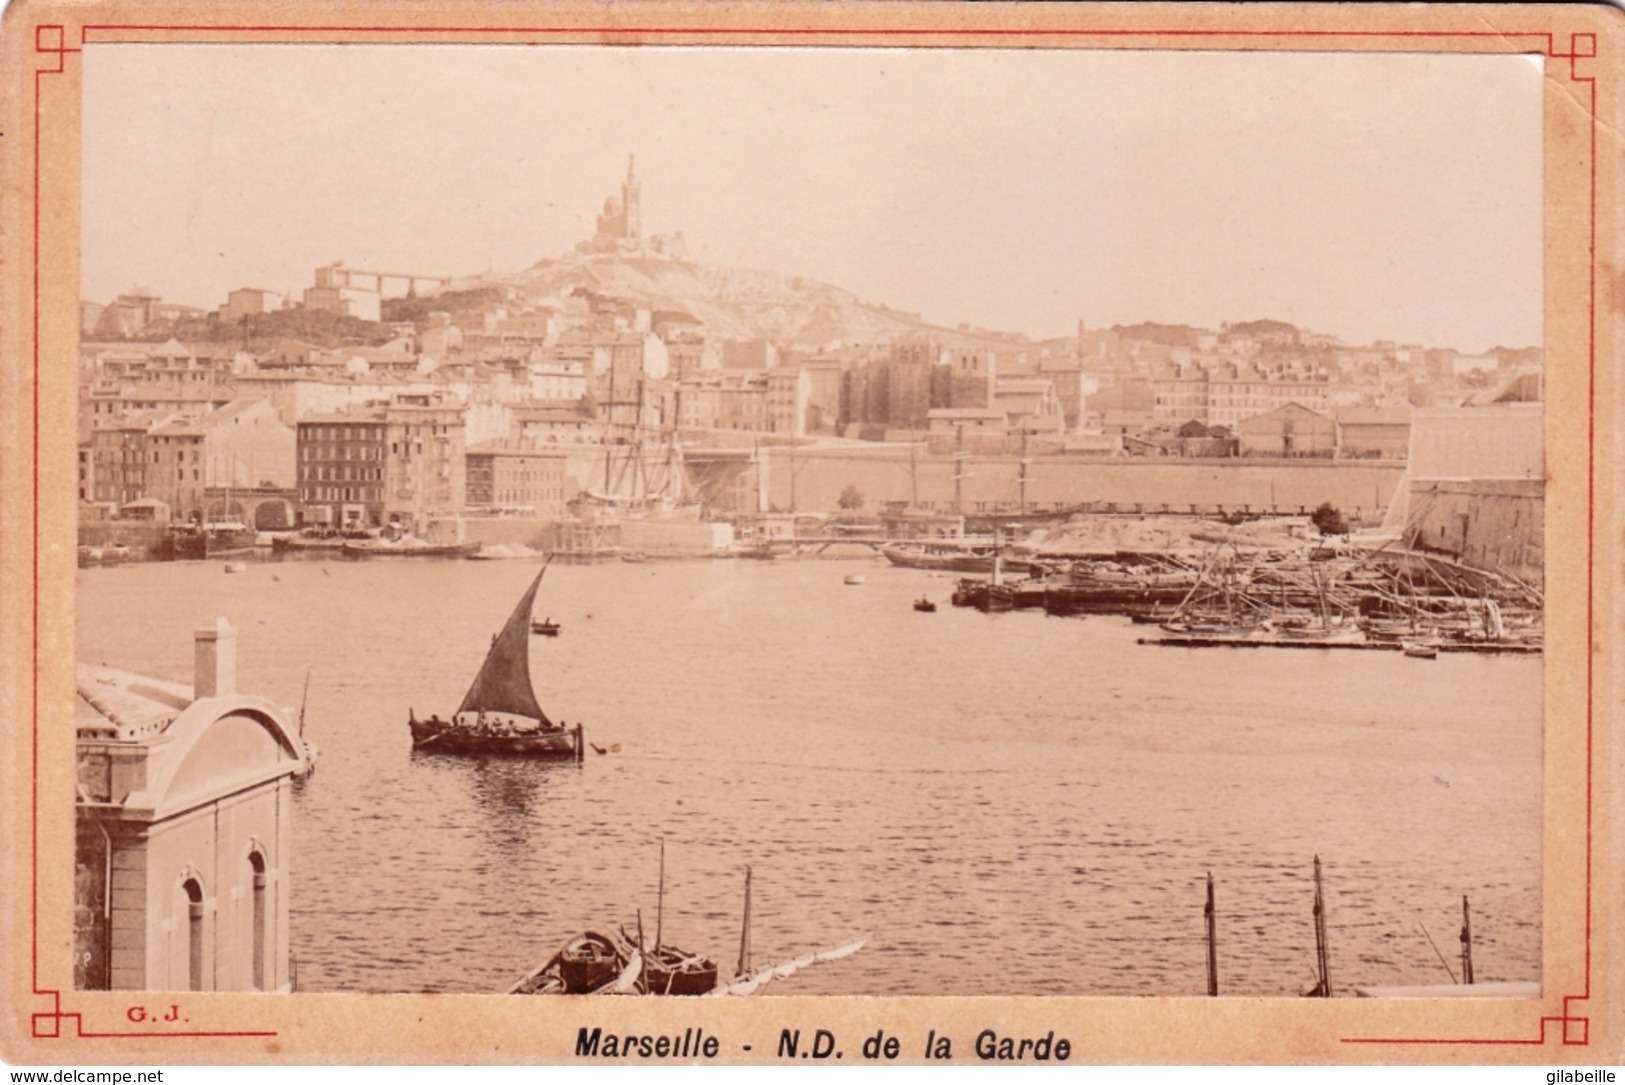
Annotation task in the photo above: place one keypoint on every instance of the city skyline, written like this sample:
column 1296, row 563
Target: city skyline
column 1366, row 196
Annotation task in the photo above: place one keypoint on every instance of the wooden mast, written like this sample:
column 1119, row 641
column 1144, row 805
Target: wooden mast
column 743, row 968
column 1323, row 989
column 1466, row 942
column 1212, row 941
column 660, row 897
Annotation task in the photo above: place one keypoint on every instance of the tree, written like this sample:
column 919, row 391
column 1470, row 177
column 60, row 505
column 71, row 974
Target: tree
column 1328, row 520
column 850, row 500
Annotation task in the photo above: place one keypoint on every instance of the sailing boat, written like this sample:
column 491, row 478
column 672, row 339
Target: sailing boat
column 500, row 713
column 638, row 488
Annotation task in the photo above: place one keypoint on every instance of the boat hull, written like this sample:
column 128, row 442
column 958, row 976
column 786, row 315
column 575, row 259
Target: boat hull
column 386, row 550
column 564, row 744
column 980, row 561
column 588, row 962
column 669, row 971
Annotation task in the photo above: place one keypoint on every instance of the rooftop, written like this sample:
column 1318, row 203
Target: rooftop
column 122, row 705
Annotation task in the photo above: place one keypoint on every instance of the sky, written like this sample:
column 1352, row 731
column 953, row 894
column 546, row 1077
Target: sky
column 1370, row 196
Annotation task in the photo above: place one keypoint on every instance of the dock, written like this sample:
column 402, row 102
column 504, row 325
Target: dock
column 1488, row 648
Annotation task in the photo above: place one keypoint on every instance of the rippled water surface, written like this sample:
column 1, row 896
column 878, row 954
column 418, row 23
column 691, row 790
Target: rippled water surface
column 1009, row 804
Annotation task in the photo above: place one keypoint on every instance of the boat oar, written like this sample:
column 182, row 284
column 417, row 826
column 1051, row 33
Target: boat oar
column 432, row 738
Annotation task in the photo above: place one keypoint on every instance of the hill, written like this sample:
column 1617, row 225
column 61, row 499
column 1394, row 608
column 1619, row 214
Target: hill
column 733, row 303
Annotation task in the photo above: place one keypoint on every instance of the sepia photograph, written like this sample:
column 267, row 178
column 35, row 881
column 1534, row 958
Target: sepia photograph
column 1001, row 520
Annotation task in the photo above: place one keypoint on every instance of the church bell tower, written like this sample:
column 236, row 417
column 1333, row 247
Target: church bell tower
column 631, row 197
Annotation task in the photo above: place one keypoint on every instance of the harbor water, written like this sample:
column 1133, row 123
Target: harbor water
column 1007, row 804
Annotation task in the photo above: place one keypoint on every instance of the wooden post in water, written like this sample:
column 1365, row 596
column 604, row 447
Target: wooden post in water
column 1466, row 942
column 1212, row 941
column 1323, row 989
column 581, row 745
column 304, row 698
column 743, row 968
column 660, row 897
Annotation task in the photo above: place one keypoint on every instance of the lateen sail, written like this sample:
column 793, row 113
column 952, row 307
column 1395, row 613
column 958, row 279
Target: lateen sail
column 503, row 684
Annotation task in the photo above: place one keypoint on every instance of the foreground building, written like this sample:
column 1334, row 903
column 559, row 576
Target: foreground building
column 182, row 829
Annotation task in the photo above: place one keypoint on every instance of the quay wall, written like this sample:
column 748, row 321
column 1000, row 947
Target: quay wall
column 140, row 534
column 495, row 531
column 652, row 536
column 813, row 480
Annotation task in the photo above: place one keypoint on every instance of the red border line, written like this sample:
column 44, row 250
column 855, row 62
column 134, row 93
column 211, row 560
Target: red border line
column 54, row 1018
column 642, row 34
column 834, row 32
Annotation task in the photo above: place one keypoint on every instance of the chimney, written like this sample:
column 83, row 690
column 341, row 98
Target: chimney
column 215, row 660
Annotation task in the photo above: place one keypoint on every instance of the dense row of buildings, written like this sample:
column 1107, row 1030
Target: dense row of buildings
column 503, row 400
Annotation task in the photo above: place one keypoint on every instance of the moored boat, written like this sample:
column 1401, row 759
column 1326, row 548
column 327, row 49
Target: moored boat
column 318, row 538
column 587, row 962
column 592, row 963
column 925, row 606
column 408, row 547
column 668, row 970
column 194, row 542
column 956, row 557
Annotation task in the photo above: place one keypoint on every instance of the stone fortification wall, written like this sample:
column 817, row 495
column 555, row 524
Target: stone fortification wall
column 1489, row 523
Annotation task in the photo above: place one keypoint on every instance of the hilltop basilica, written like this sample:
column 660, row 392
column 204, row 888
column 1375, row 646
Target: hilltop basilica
column 620, row 230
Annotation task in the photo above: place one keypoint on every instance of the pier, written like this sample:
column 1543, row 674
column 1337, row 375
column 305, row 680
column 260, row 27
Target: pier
column 1488, row 648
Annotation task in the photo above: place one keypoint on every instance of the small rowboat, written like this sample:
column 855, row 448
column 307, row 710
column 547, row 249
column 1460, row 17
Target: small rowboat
column 587, row 962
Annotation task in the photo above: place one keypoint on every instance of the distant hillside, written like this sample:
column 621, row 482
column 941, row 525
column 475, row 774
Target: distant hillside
column 733, row 303
column 1170, row 335
column 416, row 308
column 314, row 326
column 1263, row 328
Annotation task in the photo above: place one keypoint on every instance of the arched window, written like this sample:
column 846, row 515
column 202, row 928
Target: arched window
column 194, row 934
column 256, row 863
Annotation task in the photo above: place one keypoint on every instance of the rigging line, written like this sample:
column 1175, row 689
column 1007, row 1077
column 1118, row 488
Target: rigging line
column 1436, row 952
